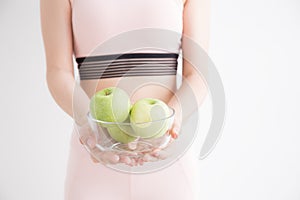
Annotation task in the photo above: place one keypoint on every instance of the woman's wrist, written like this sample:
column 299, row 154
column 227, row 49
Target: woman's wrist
column 81, row 120
column 174, row 130
column 81, row 125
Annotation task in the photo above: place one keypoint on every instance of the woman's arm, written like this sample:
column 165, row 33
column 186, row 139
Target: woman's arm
column 196, row 17
column 58, row 43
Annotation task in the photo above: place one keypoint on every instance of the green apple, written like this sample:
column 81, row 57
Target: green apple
column 119, row 135
column 163, row 130
column 111, row 104
column 148, row 118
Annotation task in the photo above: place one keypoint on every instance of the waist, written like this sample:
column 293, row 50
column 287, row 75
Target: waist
column 126, row 65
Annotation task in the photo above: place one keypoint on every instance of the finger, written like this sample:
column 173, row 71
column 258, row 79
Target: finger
column 128, row 153
column 80, row 141
column 146, row 157
column 174, row 135
column 125, row 159
column 174, row 131
column 162, row 155
column 136, row 163
column 110, row 157
column 149, row 158
column 95, row 155
column 87, row 134
column 155, row 152
column 94, row 159
column 91, row 142
column 107, row 157
column 88, row 139
column 159, row 154
column 84, row 131
column 140, row 161
column 128, row 157
column 133, row 162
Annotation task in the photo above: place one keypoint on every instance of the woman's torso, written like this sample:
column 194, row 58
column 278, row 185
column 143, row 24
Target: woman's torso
column 97, row 25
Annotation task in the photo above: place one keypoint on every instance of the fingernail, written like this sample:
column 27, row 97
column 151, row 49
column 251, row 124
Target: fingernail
column 128, row 161
column 94, row 160
column 175, row 136
column 156, row 154
column 80, row 141
column 156, row 150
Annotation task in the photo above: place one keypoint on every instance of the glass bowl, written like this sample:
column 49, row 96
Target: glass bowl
column 133, row 138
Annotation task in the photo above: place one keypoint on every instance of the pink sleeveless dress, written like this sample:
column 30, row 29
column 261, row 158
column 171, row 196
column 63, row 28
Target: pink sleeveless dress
column 94, row 22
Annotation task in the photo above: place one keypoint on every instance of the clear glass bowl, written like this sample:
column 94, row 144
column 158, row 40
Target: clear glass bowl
column 137, row 138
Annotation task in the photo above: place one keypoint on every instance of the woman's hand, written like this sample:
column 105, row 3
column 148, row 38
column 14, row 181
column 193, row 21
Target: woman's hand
column 87, row 138
column 174, row 130
column 161, row 153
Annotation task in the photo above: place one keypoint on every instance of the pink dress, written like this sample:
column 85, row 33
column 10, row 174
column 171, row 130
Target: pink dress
column 95, row 22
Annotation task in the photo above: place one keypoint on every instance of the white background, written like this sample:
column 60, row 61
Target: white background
column 255, row 46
